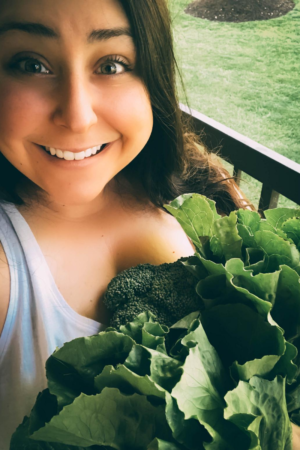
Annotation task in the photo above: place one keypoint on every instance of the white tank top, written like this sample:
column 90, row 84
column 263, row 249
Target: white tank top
column 38, row 320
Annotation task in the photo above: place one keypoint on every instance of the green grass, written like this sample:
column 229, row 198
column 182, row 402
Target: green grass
column 244, row 75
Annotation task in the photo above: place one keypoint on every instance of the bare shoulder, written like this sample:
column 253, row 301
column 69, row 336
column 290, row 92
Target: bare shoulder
column 4, row 287
column 296, row 437
column 155, row 237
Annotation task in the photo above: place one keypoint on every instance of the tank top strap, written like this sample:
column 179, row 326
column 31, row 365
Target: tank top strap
column 34, row 257
column 45, row 290
column 20, row 285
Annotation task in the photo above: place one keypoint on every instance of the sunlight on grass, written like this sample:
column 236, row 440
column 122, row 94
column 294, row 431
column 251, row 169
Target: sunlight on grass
column 244, row 75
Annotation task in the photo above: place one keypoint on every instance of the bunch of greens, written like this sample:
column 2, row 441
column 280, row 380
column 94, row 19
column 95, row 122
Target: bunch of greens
column 225, row 377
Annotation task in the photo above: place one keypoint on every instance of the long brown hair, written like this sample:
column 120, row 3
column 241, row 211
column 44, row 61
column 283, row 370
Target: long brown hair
column 174, row 161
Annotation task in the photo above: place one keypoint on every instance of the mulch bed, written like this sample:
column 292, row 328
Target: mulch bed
column 239, row 10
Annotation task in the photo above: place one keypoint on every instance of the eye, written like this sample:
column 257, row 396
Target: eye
column 30, row 66
column 110, row 66
column 113, row 65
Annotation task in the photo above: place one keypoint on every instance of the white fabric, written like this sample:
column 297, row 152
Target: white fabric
column 38, row 321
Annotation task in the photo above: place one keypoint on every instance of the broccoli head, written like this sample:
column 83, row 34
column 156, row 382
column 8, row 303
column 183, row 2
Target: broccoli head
column 167, row 290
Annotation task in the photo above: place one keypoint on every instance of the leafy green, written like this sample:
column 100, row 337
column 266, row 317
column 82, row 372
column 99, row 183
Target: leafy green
column 109, row 418
column 265, row 399
column 224, row 377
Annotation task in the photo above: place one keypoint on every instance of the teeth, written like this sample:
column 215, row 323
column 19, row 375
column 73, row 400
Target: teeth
column 79, row 156
column 60, row 153
column 70, row 156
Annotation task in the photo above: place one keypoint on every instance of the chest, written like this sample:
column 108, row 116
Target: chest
column 83, row 259
column 82, row 270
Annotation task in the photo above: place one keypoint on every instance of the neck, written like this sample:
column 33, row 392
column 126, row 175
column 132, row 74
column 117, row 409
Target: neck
column 38, row 203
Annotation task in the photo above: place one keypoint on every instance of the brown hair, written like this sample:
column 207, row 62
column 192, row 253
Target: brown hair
column 174, row 161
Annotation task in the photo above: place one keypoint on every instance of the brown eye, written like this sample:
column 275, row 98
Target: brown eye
column 110, row 69
column 30, row 66
column 114, row 66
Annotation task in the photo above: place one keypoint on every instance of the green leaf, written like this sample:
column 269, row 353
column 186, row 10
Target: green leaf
column 237, row 285
column 228, row 436
column 262, row 286
column 163, row 370
column 127, row 382
column 293, row 390
column 292, row 229
column 264, row 398
column 248, row 224
column 195, row 266
column 286, row 309
column 199, row 394
column 145, row 330
column 159, row 444
column 277, row 216
column 44, row 409
column 278, row 251
column 266, row 226
column 285, row 366
column 268, row 366
column 240, row 334
column 260, row 367
column 208, row 358
column 109, row 418
column 195, row 392
column 255, row 260
column 186, row 321
column 250, row 219
column 226, row 242
column 21, row 441
column 71, row 369
column 189, row 433
column 196, row 214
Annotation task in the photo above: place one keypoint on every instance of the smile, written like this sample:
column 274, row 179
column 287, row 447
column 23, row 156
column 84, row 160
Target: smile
column 77, row 156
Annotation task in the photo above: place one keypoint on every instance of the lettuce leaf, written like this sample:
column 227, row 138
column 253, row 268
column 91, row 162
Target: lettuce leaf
column 226, row 377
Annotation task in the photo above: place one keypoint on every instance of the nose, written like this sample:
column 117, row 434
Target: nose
column 75, row 105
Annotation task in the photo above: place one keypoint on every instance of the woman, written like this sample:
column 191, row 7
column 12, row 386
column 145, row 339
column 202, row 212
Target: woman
column 92, row 146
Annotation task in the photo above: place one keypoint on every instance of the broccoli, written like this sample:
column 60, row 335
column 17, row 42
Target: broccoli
column 167, row 291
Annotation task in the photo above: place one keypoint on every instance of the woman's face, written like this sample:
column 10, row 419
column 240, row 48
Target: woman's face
column 67, row 82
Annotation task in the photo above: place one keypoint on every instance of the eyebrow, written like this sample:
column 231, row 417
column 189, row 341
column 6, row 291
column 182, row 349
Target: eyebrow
column 41, row 30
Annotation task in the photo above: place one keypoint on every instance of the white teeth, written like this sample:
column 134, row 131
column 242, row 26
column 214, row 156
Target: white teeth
column 79, row 156
column 59, row 153
column 70, row 156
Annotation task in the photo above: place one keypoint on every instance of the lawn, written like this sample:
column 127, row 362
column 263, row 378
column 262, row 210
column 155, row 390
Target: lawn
column 244, row 75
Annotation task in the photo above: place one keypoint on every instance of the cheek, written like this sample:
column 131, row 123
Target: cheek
column 129, row 110
column 20, row 111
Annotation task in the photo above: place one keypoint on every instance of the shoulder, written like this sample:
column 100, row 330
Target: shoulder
column 4, row 287
column 155, row 237
column 296, row 436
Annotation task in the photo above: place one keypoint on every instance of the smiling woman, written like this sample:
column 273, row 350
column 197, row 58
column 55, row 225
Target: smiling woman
column 60, row 79
column 93, row 144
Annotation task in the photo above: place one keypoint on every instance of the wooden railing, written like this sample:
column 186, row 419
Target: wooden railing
column 278, row 174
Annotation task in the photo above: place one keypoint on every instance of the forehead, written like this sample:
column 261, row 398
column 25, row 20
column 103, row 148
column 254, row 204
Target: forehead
column 77, row 17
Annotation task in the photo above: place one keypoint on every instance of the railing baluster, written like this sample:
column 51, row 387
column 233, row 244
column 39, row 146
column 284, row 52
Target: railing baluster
column 268, row 198
column 237, row 173
column 246, row 155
